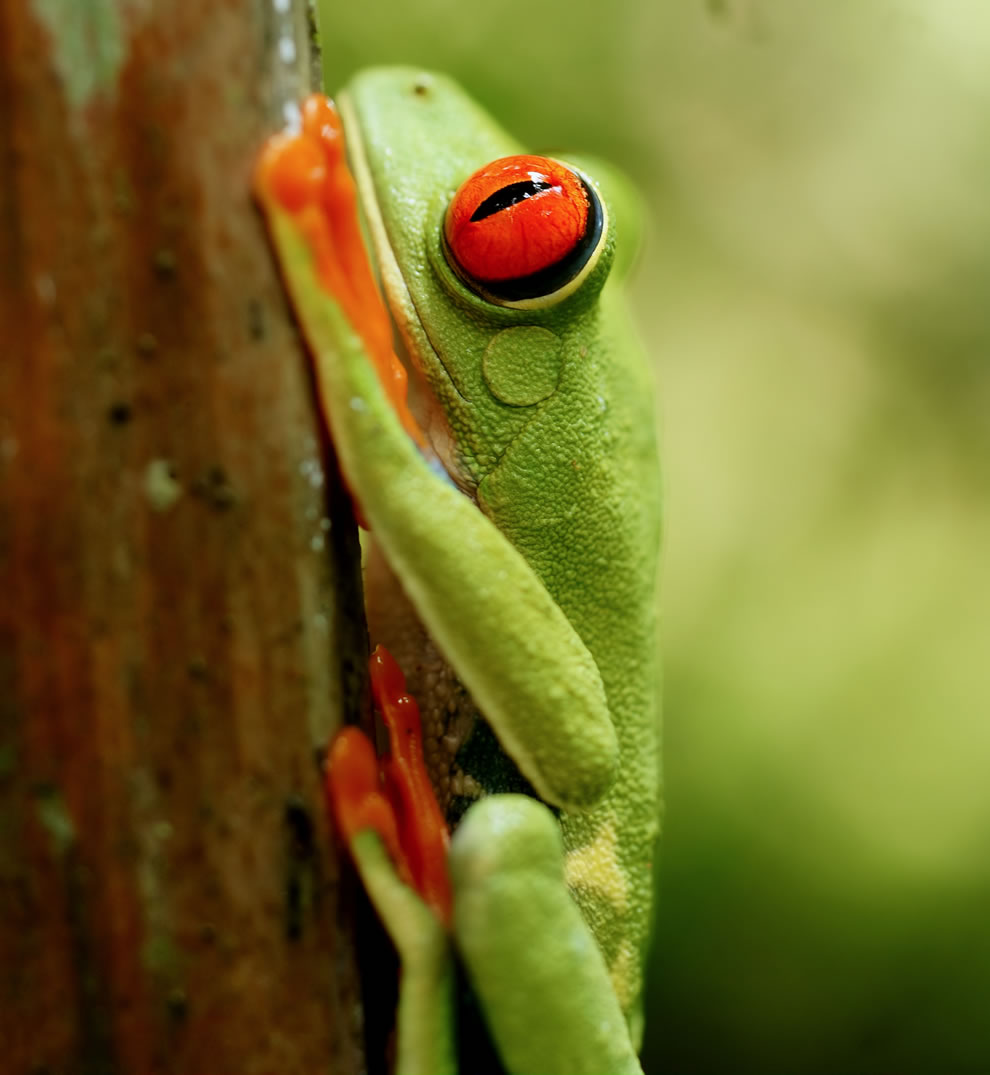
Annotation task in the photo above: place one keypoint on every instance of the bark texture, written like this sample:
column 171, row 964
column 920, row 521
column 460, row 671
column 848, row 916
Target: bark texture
column 170, row 616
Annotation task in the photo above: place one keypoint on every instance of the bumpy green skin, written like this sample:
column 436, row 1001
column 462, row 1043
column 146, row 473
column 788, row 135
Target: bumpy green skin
column 543, row 600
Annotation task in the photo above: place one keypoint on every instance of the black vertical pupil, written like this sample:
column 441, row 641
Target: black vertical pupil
column 509, row 196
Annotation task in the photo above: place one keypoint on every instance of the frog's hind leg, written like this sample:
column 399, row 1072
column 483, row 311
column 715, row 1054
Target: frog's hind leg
column 531, row 958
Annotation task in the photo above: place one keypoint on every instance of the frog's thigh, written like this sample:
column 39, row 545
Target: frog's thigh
column 540, row 977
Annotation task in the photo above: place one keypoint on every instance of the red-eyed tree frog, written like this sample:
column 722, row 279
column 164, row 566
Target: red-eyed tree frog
column 513, row 504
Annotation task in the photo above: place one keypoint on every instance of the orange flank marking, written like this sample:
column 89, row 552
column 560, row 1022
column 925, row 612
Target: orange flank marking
column 394, row 796
column 306, row 175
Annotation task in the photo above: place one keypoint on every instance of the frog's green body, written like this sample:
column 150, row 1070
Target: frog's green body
column 544, row 419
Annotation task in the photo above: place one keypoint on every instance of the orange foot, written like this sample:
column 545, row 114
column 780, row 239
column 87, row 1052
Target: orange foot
column 306, row 175
column 392, row 796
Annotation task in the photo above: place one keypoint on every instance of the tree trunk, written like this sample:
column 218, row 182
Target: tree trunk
column 174, row 604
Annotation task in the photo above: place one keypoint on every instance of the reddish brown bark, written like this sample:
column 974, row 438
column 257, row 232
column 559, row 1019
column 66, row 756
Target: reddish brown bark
column 168, row 897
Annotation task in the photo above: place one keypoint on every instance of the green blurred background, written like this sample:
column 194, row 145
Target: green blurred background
column 814, row 291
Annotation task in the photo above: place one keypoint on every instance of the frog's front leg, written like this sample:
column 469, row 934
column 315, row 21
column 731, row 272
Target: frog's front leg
column 386, row 813
column 425, row 1038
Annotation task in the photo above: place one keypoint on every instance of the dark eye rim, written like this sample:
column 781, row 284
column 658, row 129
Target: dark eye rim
column 546, row 282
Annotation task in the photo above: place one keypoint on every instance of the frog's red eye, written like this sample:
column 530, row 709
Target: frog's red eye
column 522, row 229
